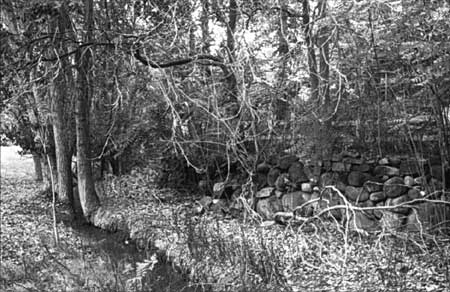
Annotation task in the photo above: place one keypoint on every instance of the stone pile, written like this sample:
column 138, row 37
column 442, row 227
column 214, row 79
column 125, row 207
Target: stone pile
column 397, row 184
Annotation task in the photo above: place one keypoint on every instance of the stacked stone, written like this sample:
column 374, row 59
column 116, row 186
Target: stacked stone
column 390, row 181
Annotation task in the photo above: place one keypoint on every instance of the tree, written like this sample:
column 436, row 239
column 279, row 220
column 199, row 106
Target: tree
column 63, row 126
column 86, row 189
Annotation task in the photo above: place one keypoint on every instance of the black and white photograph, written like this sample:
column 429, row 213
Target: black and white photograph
column 225, row 146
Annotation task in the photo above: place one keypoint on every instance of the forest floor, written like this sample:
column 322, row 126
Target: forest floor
column 227, row 254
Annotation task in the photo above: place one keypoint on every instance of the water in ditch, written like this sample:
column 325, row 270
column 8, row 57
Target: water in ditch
column 131, row 269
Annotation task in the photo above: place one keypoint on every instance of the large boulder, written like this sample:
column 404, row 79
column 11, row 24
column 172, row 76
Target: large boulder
column 382, row 170
column 329, row 198
column 377, row 197
column 373, row 187
column 356, row 194
column 395, row 187
column 364, row 167
column 272, row 176
column 306, row 187
column 414, row 193
column 363, row 221
column 286, row 161
column 263, row 167
column 398, row 202
column 328, row 179
column 408, row 180
column 282, row 182
column 259, row 179
column 265, row 192
column 338, row 167
column 357, row 178
column 297, row 174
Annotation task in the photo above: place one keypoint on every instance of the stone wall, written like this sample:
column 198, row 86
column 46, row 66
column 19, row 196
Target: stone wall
column 400, row 186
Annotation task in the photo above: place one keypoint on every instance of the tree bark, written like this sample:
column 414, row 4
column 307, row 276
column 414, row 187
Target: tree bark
column 62, row 116
column 37, row 166
column 280, row 102
column 86, row 190
column 312, row 63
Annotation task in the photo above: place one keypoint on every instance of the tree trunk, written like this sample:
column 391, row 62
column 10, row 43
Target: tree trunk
column 86, row 190
column 312, row 63
column 63, row 117
column 37, row 166
column 281, row 102
column 204, row 20
column 50, row 170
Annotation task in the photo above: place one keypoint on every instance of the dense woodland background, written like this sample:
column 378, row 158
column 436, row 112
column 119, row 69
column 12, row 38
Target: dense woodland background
column 204, row 90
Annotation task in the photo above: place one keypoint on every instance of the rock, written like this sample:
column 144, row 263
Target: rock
column 268, row 207
column 377, row 212
column 372, row 186
column 356, row 194
column 278, row 194
column 296, row 173
column 367, row 204
column 306, row 187
column 205, row 201
column 364, row 167
column 357, row 179
column 383, row 161
column 329, row 199
column 219, row 206
column 260, row 179
column 408, row 180
column 395, row 161
column 328, row 179
column 338, row 167
column 263, row 167
column 267, row 223
column 412, row 166
column 421, row 180
column 218, row 189
column 384, row 178
column 341, row 186
column 394, row 187
column 283, row 217
column 351, row 160
column 272, row 176
column 397, row 202
column 310, row 174
column 351, row 153
column 265, row 192
column 286, row 161
column 292, row 200
column 382, row 170
column 414, row 193
column 317, row 170
column 364, row 222
column 282, row 182
column 336, row 157
column 377, row 197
